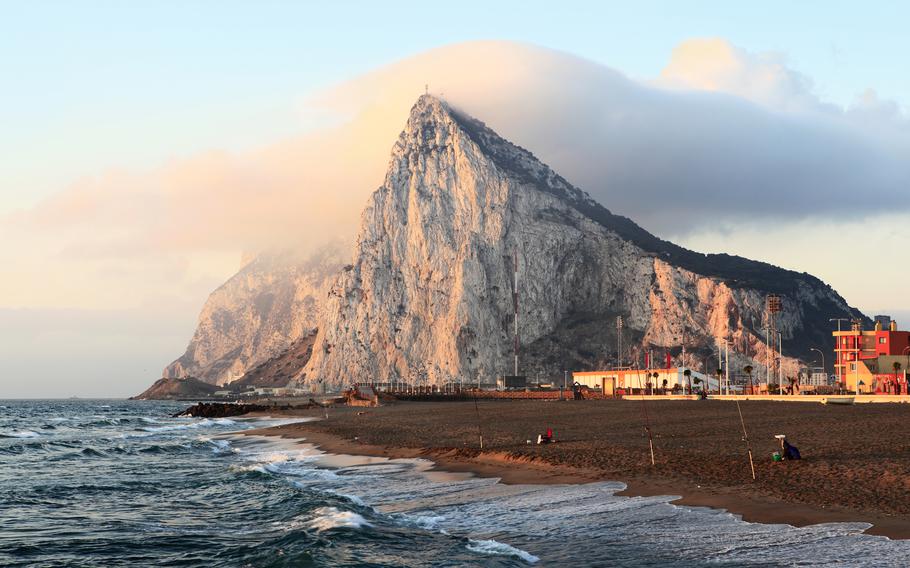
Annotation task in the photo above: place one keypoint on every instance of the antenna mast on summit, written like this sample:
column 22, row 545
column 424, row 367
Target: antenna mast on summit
column 515, row 305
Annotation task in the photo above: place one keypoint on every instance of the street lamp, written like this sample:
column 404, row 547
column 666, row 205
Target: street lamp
column 824, row 369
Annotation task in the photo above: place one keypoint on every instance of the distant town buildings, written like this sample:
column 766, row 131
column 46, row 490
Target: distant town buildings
column 873, row 361
column 623, row 381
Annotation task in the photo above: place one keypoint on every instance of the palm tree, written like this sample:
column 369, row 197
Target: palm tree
column 688, row 374
column 665, row 386
column 897, row 369
column 748, row 371
column 720, row 376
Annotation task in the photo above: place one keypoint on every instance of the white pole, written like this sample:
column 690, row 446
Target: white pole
column 767, row 360
column 515, row 292
column 780, row 351
column 727, row 364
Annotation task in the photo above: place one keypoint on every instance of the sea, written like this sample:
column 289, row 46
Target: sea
column 122, row 483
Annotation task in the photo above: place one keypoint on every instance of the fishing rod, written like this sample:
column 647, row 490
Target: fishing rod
column 477, row 410
column 746, row 439
column 644, row 411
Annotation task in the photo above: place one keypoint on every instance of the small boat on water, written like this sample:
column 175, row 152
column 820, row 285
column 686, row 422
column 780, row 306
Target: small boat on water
column 838, row 400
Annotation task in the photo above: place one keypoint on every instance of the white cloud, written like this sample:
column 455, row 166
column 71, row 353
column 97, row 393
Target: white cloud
column 714, row 64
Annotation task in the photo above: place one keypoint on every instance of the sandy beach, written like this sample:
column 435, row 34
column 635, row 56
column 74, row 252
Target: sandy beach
column 855, row 466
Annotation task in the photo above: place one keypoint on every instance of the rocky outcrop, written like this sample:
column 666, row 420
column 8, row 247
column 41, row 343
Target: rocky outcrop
column 279, row 369
column 223, row 410
column 430, row 291
column 271, row 304
column 177, row 389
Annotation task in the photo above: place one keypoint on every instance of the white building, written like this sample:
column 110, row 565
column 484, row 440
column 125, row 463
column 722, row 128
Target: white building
column 608, row 382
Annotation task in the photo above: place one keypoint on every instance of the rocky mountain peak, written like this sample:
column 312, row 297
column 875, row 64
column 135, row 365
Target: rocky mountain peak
column 431, row 114
column 429, row 292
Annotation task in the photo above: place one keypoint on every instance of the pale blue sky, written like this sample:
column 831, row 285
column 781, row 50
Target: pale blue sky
column 94, row 85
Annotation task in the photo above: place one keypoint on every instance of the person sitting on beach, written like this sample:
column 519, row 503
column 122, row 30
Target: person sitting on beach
column 790, row 452
column 545, row 439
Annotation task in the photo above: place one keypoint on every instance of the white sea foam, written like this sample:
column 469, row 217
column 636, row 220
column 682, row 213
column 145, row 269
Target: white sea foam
column 21, row 434
column 428, row 522
column 221, row 446
column 204, row 423
column 496, row 548
column 331, row 518
column 257, row 467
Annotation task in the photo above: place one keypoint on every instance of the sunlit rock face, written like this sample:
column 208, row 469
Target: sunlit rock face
column 272, row 302
column 429, row 293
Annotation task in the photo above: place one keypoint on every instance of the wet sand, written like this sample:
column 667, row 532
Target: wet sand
column 855, row 466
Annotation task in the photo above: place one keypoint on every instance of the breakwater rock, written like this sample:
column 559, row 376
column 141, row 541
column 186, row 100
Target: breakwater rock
column 225, row 409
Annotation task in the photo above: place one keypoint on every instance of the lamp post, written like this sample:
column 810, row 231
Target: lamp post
column 819, row 351
column 856, row 373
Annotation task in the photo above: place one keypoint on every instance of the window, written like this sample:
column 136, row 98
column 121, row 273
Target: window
column 852, row 366
column 883, row 339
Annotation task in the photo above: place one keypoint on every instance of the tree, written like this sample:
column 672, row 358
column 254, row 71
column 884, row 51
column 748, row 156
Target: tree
column 720, row 377
column 897, row 369
column 688, row 374
column 748, row 371
column 665, row 386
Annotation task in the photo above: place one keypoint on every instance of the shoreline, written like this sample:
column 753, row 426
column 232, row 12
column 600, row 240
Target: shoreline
column 512, row 470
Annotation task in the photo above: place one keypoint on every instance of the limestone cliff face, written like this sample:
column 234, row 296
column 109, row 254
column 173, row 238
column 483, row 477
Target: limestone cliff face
column 430, row 290
column 274, row 301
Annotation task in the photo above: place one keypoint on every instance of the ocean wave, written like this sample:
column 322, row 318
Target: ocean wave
column 310, row 475
column 20, row 434
column 496, row 548
column 163, row 449
column 428, row 522
column 220, row 446
column 15, row 449
column 288, row 463
column 92, row 452
column 331, row 518
column 249, row 468
column 352, row 498
column 204, row 423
